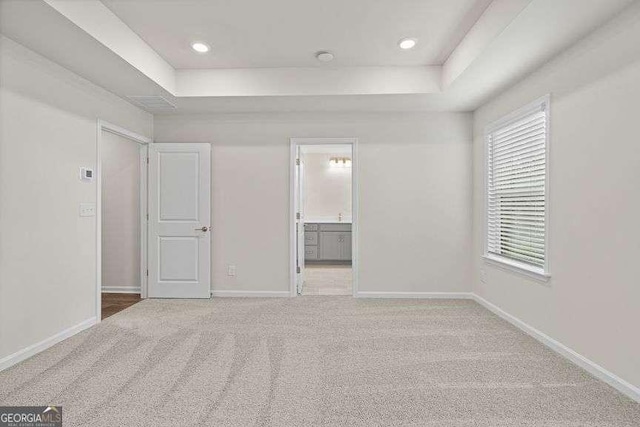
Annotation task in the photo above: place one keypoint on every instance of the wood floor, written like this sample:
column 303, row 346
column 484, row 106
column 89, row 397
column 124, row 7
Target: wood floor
column 114, row 303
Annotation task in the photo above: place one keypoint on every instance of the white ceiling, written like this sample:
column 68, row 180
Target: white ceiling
column 509, row 40
column 287, row 33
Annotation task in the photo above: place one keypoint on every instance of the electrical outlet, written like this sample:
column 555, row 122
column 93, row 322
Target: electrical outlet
column 87, row 209
column 483, row 276
column 231, row 270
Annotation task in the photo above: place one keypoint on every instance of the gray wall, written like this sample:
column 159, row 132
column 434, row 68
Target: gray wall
column 415, row 195
column 592, row 302
column 47, row 252
column 120, row 158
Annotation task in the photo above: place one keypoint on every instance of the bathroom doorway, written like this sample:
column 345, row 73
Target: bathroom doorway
column 324, row 223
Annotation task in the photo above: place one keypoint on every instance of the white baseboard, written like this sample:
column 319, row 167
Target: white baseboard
column 249, row 294
column 121, row 289
column 424, row 295
column 594, row 369
column 36, row 348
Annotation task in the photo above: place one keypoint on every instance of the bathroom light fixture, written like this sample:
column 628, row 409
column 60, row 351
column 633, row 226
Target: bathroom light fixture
column 324, row 56
column 340, row 162
column 200, row 47
column 407, row 43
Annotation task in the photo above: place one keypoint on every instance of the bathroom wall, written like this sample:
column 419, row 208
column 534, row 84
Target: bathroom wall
column 327, row 188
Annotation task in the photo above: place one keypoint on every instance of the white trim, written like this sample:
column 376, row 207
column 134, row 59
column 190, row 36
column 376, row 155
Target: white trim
column 543, row 104
column 507, row 264
column 115, row 129
column 144, row 141
column 416, row 295
column 594, row 369
column 249, row 294
column 516, row 115
column 144, row 219
column 38, row 347
column 355, row 203
column 121, row 289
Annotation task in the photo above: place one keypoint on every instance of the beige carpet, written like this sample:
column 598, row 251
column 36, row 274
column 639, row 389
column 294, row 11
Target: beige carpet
column 309, row 361
column 328, row 280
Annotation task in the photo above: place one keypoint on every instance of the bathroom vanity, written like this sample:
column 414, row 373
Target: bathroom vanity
column 327, row 241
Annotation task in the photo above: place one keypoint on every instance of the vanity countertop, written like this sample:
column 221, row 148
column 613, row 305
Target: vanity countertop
column 327, row 221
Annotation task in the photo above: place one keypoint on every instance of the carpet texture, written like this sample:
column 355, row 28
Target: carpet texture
column 307, row 361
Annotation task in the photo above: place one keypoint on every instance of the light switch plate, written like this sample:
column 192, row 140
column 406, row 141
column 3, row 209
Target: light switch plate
column 231, row 270
column 87, row 209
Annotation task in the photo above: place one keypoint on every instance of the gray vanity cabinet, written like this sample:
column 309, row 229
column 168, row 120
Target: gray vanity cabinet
column 335, row 245
column 327, row 242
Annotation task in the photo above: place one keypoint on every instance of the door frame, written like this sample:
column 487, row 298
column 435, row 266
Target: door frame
column 294, row 144
column 143, row 142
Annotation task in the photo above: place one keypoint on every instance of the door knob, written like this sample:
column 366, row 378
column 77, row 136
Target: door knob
column 203, row 229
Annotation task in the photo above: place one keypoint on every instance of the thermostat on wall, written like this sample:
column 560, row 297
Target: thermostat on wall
column 86, row 174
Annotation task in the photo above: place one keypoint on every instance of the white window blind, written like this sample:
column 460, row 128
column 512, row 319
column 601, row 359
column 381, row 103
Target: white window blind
column 516, row 193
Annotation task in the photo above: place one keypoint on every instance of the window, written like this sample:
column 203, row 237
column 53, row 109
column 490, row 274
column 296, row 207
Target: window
column 517, row 189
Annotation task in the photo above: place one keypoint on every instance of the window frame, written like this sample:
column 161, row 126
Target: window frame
column 506, row 263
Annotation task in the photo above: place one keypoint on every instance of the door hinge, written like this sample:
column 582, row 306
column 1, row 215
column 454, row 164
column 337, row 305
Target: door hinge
column 147, row 160
column 297, row 215
column 147, row 271
column 297, row 162
column 147, row 217
column 298, row 269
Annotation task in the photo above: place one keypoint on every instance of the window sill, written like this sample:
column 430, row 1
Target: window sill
column 516, row 267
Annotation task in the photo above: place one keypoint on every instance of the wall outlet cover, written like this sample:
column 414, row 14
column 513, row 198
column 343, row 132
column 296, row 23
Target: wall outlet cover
column 87, row 209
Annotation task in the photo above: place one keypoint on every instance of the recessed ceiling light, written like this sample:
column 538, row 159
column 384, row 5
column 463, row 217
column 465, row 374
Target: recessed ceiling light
column 200, row 47
column 324, row 56
column 407, row 43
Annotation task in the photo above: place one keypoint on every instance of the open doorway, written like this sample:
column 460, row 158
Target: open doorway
column 325, row 223
column 122, row 211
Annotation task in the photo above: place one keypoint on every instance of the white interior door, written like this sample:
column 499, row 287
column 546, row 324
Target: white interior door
column 299, row 193
column 179, row 221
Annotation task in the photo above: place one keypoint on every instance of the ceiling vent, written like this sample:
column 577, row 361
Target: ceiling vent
column 153, row 103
